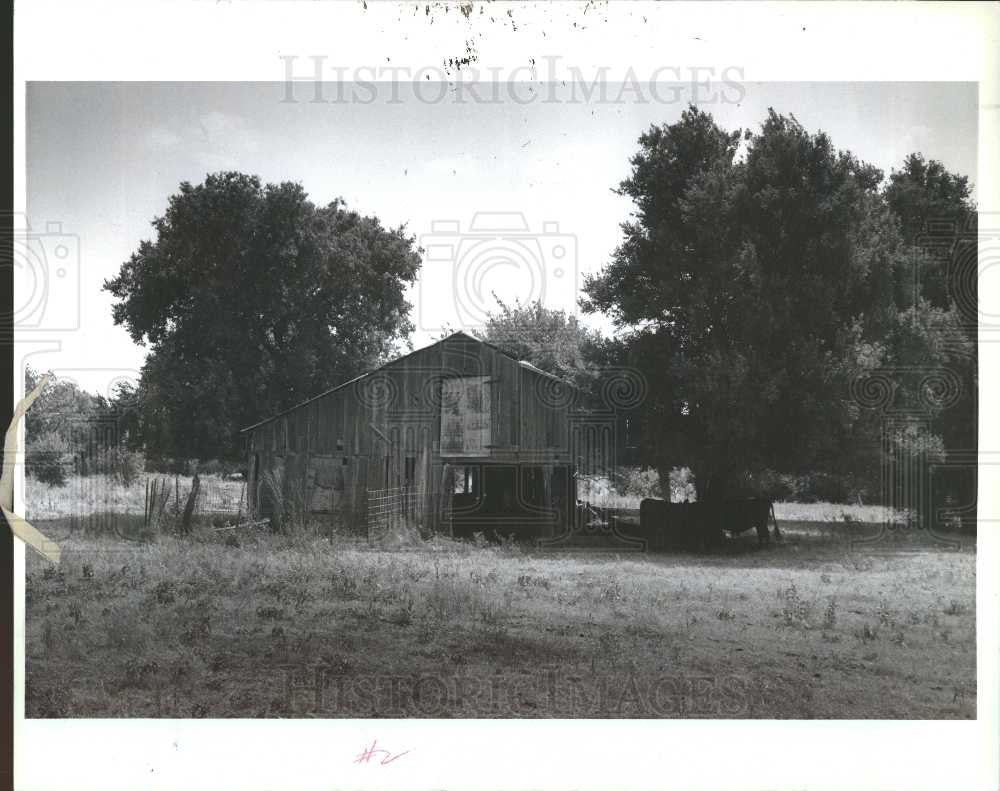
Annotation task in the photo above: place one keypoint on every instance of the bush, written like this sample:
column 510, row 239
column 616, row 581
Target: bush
column 44, row 459
column 812, row 487
column 50, row 471
column 682, row 488
column 220, row 467
column 120, row 464
column 824, row 488
column 637, row 482
column 170, row 466
column 210, row 467
column 776, row 486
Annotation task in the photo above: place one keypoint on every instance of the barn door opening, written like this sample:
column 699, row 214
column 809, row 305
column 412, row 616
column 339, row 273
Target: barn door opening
column 499, row 500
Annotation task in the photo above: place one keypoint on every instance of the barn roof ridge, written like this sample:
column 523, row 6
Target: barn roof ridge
column 524, row 364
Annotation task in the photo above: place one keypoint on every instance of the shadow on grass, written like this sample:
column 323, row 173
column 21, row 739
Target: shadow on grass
column 107, row 524
column 110, row 525
column 800, row 542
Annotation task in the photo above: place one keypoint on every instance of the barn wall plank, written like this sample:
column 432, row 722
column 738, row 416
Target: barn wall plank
column 394, row 414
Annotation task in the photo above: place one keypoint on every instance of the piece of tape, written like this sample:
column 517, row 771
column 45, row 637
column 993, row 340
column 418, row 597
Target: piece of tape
column 28, row 534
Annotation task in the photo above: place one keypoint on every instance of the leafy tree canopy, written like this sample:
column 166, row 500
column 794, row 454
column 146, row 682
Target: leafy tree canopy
column 249, row 297
column 551, row 340
column 760, row 276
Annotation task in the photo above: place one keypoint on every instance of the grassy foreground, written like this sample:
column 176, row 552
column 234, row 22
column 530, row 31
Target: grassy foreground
column 270, row 626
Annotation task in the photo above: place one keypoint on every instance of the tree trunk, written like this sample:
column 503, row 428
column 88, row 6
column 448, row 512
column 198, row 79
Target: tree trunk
column 189, row 505
column 665, row 490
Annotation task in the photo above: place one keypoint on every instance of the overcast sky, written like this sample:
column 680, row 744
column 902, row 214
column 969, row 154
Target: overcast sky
column 103, row 159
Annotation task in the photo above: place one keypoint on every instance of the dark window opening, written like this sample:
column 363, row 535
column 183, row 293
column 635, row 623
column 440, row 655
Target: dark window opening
column 466, row 480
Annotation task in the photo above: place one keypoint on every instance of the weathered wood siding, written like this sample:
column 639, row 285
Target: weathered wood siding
column 374, row 432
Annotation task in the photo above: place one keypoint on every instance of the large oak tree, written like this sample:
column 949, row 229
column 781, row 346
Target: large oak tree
column 250, row 298
column 759, row 281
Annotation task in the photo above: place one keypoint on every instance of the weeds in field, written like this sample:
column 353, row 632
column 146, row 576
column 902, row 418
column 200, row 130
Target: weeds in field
column 955, row 608
column 794, row 610
column 301, row 599
column 478, row 578
column 830, row 615
column 491, row 614
column 450, row 604
column 125, row 630
column 509, row 545
column 860, row 563
column 343, row 585
column 444, row 599
column 867, row 633
column 528, row 581
column 195, row 619
column 612, row 592
column 54, row 702
column 609, row 648
column 137, row 673
column 165, row 592
column 404, row 612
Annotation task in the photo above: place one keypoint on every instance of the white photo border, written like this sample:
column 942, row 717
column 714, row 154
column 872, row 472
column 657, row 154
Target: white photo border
column 244, row 41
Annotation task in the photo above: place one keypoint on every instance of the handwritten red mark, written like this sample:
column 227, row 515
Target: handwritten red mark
column 387, row 757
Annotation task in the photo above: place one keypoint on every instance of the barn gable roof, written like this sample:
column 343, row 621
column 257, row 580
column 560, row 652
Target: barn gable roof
column 523, row 363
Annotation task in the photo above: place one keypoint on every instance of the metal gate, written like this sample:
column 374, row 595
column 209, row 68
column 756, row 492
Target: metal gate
column 394, row 512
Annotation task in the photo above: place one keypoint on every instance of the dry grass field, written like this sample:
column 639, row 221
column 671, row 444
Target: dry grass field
column 259, row 625
column 101, row 494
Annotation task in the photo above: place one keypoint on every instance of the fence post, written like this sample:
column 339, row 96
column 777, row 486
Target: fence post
column 190, row 505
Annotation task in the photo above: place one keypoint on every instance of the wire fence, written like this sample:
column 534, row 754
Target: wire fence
column 84, row 495
column 394, row 512
column 216, row 496
column 210, row 500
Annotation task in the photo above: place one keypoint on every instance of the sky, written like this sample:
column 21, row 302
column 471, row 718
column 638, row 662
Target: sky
column 511, row 196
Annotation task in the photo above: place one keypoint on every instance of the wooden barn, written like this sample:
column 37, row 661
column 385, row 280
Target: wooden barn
column 457, row 437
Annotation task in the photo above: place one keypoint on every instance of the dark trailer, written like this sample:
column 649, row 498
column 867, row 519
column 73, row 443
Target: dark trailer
column 457, row 437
